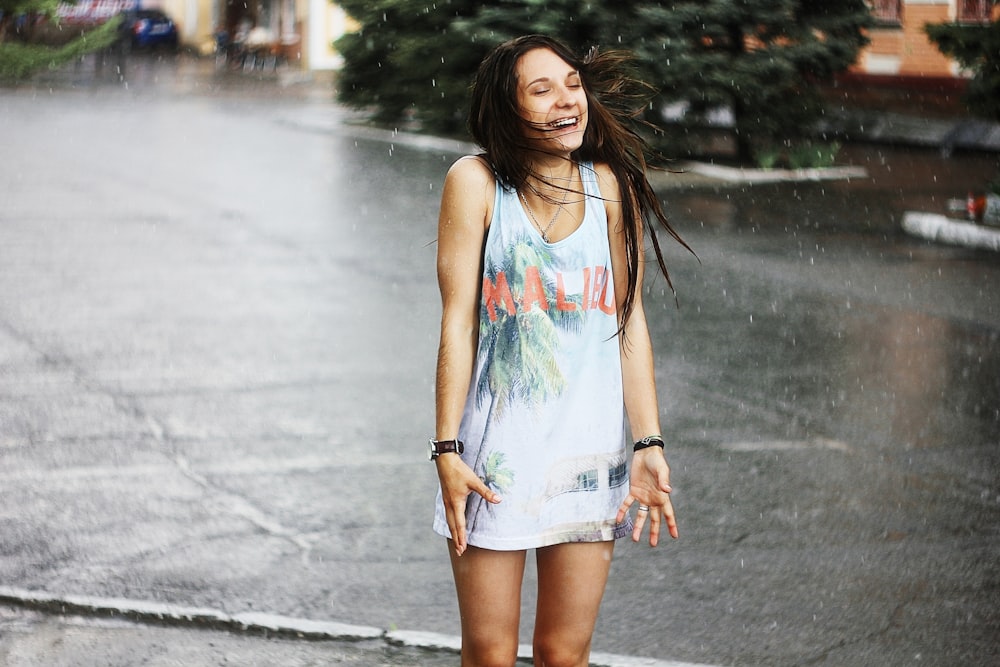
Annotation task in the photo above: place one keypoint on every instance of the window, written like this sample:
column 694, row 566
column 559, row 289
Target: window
column 618, row 475
column 586, row 481
column 974, row 11
column 887, row 11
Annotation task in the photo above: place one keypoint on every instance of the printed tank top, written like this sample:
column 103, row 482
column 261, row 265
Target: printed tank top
column 544, row 421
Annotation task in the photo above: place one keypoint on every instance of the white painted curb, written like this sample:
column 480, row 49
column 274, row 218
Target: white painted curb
column 741, row 175
column 943, row 229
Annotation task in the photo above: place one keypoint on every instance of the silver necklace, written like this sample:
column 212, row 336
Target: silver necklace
column 544, row 232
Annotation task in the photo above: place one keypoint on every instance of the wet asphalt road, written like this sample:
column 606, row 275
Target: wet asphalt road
column 217, row 334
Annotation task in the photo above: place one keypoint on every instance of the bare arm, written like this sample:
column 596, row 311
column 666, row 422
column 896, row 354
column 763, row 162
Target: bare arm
column 466, row 202
column 649, row 482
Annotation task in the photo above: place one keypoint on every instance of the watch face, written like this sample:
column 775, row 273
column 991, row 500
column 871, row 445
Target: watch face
column 431, row 451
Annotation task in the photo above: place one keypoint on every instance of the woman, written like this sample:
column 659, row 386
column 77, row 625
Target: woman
column 544, row 350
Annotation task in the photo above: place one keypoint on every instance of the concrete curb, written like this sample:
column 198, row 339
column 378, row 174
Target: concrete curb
column 144, row 611
column 201, row 618
column 935, row 227
column 752, row 176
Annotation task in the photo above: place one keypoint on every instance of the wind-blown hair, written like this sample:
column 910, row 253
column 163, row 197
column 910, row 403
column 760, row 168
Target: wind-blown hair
column 615, row 103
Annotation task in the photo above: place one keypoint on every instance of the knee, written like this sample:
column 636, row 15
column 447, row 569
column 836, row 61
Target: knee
column 554, row 654
column 488, row 654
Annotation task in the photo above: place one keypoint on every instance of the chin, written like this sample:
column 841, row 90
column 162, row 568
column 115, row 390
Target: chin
column 570, row 142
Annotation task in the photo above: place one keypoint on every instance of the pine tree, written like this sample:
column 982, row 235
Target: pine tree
column 407, row 61
column 579, row 25
column 977, row 48
column 22, row 54
column 758, row 60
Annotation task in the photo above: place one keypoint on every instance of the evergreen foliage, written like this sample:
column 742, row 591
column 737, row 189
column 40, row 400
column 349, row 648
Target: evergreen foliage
column 19, row 60
column 976, row 48
column 753, row 64
column 754, row 61
column 406, row 61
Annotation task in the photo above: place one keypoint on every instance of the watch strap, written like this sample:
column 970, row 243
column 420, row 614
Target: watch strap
column 439, row 447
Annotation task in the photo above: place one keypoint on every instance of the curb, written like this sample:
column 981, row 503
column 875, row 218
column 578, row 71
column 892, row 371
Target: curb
column 753, row 176
column 201, row 618
column 151, row 612
column 935, row 227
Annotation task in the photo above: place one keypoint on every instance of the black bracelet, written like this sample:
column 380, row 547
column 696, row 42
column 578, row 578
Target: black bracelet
column 649, row 441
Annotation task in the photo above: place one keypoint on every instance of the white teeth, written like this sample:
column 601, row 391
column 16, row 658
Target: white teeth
column 563, row 122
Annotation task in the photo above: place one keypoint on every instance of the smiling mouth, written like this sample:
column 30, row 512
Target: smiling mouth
column 564, row 122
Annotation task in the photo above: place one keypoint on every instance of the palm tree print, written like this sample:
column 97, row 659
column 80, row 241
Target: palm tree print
column 518, row 350
column 496, row 476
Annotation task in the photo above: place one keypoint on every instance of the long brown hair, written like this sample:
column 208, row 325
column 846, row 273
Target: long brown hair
column 615, row 102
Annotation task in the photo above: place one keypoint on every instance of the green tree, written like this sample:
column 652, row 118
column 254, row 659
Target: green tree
column 580, row 25
column 407, row 62
column 21, row 57
column 758, row 61
column 976, row 48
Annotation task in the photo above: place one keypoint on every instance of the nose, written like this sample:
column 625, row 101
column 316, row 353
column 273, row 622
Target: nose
column 566, row 98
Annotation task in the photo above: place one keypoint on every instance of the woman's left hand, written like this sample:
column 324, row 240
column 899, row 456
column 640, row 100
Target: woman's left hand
column 649, row 485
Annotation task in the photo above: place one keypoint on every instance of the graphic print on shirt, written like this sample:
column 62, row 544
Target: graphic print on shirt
column 524, row 305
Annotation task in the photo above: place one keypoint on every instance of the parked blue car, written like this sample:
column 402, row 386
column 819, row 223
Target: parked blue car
column 148, row 29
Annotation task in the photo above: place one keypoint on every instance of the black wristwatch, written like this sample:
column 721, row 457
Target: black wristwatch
column 439, row 447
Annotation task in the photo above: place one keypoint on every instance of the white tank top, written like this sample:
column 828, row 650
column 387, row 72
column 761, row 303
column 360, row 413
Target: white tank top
column 544, row 422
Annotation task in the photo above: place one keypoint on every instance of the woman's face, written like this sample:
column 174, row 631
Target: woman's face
column 551, row 98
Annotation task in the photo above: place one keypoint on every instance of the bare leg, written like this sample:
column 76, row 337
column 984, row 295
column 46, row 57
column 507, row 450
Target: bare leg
column 571, row 581
column 489, row 601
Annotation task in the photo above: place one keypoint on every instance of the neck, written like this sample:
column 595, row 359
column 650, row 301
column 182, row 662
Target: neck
column 552, row 175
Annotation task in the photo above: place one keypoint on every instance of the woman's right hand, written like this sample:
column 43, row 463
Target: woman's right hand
column 458, row 481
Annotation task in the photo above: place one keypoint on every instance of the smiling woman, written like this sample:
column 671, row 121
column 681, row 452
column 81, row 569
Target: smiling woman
column 544, row 350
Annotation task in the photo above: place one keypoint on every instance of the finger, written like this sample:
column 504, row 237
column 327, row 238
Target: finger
column 623, row 508
column 668, row 512
column 663, row 480
column 640, row 521
column 654, row 528
column 488, row 494
column 456, row 523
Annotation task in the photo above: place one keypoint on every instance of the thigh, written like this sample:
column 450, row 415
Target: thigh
column 489, row 601
column 571, row 582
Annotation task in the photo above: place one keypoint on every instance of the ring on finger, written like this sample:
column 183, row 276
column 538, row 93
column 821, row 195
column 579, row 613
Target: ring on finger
column 643, row 508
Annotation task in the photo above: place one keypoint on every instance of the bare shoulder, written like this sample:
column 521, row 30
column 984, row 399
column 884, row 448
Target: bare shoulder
column 467, row 197
column 470, row 171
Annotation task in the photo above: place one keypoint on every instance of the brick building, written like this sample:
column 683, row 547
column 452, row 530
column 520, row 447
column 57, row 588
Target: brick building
column 900, row 47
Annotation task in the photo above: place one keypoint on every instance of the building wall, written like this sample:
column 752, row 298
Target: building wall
column 904, row 50
column 328, row 22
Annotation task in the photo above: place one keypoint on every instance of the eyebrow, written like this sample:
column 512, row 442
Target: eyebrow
column 545, row 79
